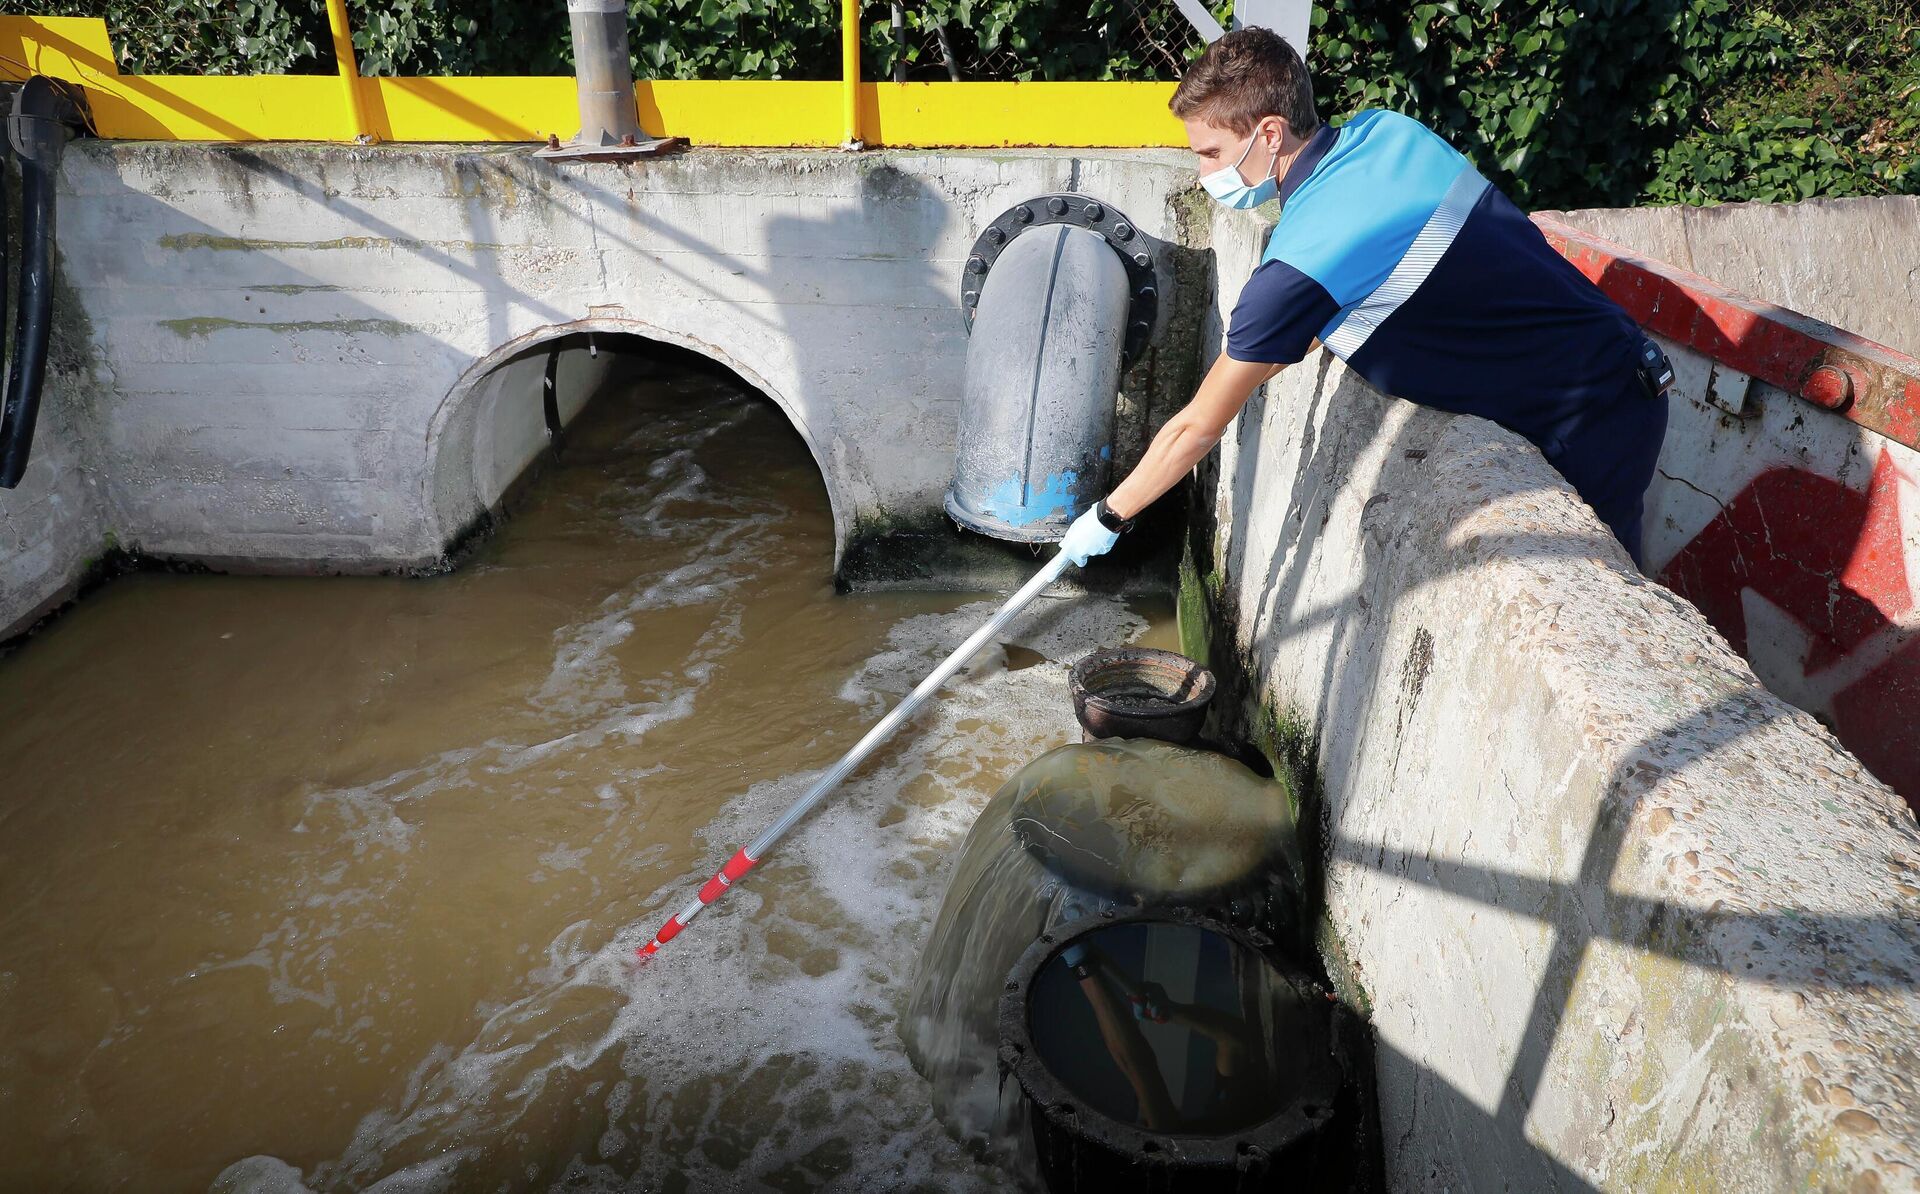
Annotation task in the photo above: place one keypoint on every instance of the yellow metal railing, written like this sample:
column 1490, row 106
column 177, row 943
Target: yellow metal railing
column 741, row 113
column 342, row 31
column 850, row 71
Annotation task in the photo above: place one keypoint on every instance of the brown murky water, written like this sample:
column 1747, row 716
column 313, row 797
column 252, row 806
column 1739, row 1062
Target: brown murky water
column 336, row 882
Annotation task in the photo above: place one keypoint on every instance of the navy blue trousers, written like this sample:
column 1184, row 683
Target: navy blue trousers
column 1609, row 456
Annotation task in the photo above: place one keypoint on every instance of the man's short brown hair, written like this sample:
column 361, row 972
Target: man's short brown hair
column 1243, row 77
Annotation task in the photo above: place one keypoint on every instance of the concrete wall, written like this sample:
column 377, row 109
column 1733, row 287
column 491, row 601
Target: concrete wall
column 495, row 423
column 292, row 343
column 1854, row 263
column 51, row 528
column 1626, row 919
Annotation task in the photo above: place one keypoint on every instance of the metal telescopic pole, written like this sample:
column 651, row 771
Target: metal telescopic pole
column 744, row 859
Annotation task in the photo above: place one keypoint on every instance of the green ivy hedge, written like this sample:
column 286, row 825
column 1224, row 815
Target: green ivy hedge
column 1565, row 102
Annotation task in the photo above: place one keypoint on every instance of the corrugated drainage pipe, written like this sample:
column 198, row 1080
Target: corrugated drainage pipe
column 36, row 132
column 1059, row 294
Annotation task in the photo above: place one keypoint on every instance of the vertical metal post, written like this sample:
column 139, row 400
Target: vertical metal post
column 603, row 73
column 1291, row 19
column 850, row 73
column 603, row 83
column 349, row 68
column 899, row 42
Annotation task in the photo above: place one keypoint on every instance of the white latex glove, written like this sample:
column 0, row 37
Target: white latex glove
column 1086, row 538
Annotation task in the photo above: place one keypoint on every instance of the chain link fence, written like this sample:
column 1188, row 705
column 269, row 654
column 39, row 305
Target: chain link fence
column 1830, row 32
column 1020, row 41
column 1852, row 66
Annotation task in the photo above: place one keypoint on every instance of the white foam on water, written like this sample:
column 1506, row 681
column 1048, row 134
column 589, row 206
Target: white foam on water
column 760, row 1045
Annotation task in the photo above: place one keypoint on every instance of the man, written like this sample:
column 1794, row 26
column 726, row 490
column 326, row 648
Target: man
column 1398, row 257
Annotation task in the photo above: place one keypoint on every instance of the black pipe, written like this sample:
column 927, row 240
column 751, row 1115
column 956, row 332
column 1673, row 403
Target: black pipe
column 550, row 395
column 6, row 247
column 37, row 131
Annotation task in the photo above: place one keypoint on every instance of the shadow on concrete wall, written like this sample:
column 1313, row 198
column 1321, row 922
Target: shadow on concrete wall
column 790, row 311
column 1580, row 912
column 479, row 177
column 812, row 268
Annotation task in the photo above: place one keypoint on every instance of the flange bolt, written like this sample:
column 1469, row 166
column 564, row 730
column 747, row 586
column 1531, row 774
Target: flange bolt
column 1056, row 207
column 1023, row 213
column 1829, row 386
column 1123, row 231
column 976, row 265
column 1095, row 213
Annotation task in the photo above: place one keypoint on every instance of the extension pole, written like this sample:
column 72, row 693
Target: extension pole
column 743, row 860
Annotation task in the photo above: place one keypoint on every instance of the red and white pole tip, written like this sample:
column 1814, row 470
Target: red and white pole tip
column 715, row 887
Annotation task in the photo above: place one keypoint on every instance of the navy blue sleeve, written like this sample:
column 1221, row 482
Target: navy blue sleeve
column 1279, row 313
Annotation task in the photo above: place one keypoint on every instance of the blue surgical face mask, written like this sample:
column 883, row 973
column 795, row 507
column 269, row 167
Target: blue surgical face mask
column 1230, row 190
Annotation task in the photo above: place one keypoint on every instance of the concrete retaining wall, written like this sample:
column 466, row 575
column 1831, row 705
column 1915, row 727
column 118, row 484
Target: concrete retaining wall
column 1626, row 919
column 1854, row 263
column 290, row 342
column 51, row 528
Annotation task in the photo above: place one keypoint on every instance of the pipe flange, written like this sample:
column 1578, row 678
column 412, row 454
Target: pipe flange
column 1122, row 235
column 1308, row 1115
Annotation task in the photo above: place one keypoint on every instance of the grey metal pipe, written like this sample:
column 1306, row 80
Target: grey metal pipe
column 603, row 71
column 1043, row 370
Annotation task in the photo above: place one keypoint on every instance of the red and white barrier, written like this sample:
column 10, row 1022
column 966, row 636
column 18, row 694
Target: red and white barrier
column 1787, row 505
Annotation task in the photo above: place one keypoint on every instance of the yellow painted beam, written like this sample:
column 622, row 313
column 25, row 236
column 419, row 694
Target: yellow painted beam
column 744, row 112
column 1121, row 115
column 739, row 113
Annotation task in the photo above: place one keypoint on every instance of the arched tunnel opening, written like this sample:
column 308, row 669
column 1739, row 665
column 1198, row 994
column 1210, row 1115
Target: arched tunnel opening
column 529, row 409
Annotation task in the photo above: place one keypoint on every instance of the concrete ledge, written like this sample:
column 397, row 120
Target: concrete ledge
column 1624, row 917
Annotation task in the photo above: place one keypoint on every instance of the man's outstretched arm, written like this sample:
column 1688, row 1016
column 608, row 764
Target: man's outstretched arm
column 1189, row 435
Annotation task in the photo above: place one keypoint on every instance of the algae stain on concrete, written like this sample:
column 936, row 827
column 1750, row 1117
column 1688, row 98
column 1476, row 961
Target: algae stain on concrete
column 185, row 241
column 201, row 326
column 1671, row 1135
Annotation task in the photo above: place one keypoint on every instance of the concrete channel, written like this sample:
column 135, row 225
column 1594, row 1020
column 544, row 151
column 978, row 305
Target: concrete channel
column 1618, row 865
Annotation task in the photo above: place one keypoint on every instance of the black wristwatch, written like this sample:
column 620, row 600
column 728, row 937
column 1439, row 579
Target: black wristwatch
column 1110, row 520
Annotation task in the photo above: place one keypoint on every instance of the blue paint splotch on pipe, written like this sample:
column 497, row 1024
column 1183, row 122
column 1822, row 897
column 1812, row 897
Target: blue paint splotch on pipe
column 1043, row 372
column 1018, row 505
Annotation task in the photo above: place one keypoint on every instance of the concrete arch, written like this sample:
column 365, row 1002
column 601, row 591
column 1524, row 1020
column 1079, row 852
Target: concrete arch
column 490, row 425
